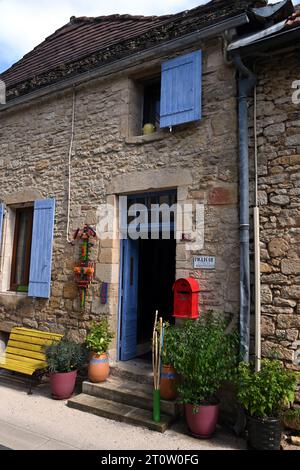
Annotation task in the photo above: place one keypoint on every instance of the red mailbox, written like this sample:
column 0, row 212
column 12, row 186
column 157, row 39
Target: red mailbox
column 186, row 293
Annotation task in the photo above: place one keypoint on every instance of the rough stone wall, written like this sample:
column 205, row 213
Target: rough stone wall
column 34, row 144
column 279, row 190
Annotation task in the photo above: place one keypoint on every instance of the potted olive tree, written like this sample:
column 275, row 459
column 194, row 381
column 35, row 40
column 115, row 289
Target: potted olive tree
column 98, row 341
column 64, row 359
column 265, row 395
column 205, row 356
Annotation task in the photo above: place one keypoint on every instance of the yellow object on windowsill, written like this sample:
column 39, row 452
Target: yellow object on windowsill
column 148, row 129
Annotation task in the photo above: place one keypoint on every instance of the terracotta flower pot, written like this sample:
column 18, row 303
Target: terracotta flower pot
column 98, row 369
column 168, row 383
column 203, row 422
column 63, row 384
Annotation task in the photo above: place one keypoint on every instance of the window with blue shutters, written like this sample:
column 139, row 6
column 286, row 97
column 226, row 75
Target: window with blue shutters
column 181, row 90
column 41, row 248
column 27, row 247
column 168, row 98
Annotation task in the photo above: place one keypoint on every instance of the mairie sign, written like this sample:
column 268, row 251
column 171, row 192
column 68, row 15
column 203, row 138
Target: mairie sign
column 204, row 262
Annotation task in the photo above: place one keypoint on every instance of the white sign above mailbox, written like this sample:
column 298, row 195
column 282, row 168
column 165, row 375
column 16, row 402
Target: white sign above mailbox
column 204, row 262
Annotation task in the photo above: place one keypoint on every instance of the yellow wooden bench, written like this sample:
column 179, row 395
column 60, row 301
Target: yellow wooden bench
column 24, row 352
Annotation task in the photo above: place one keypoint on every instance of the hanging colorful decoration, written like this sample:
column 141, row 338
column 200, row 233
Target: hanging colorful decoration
column 84, row 272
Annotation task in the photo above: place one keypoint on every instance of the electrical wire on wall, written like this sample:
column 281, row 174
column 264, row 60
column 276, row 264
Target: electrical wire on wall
column 70, row 163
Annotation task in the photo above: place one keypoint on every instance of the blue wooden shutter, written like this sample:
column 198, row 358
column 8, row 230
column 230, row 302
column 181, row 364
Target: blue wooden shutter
column 181, row 90
column 2, row 209
column 129, row 303
column 41, row 248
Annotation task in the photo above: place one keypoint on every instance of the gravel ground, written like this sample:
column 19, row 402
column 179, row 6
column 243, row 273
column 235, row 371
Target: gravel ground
column 38, row 422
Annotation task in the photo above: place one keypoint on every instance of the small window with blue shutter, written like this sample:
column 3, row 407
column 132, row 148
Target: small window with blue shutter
column 31, row 256
column 181, row 90
column 169, row 98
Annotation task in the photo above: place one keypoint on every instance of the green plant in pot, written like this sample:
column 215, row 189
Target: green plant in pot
column 265, row 394
column 169, row 377
column 64, row 359
column 205, row 356
column 98, row 341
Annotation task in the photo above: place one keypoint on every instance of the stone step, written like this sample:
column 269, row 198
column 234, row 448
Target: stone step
column 136, row 370
column 119, row 412
column 129, row 393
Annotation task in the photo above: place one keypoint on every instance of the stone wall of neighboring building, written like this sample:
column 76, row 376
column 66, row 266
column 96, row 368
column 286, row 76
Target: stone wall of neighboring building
column 278, row 125
column 200, row 159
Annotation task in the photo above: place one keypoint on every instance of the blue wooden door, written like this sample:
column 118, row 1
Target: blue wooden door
column 128, row 341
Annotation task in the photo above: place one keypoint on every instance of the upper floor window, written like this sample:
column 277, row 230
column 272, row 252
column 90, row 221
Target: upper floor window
column 151, row 109
column 171, row 98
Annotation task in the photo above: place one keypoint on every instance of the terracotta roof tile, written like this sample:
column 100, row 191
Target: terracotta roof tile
column 84, row 36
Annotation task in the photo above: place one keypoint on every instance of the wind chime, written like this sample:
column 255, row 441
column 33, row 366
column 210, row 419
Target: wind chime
column 84, row 272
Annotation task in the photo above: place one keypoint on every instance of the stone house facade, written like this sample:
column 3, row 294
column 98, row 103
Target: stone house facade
column 94, row 101
column 109, row 159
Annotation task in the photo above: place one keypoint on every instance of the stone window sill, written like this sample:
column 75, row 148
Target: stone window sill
column 144, row 139
column 14, row 294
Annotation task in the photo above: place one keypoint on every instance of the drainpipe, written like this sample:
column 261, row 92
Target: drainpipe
column 247, row 81
column 256, row 246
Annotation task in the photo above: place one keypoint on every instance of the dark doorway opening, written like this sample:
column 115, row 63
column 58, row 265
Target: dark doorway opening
column 155, row 282
column 148, row 269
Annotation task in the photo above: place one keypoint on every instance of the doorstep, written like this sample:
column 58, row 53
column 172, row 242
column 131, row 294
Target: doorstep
column 126, row 396
column 137, row 370
column 129, row 393
column 120, row 412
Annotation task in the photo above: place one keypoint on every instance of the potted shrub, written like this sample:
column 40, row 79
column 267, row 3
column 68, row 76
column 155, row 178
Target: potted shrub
column 264, row 396
column 169, row 377
column 205, row 356
column 64, row 358
column 98, row 341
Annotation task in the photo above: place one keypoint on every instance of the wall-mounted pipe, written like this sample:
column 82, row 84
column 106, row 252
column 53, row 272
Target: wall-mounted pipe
column 256, row 245
column 247, row 81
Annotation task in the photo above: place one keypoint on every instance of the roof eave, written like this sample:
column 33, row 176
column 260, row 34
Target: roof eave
column 119, row 64
column 264, row 42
